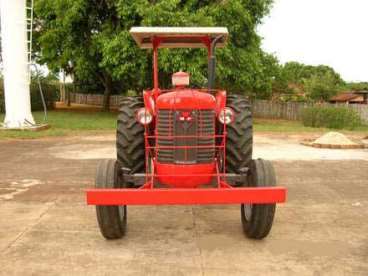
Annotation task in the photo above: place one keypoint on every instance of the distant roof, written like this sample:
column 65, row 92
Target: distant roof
column 178, row 37
column 344, row 97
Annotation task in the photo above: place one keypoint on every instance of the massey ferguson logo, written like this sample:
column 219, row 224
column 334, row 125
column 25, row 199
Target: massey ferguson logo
column 186, row 118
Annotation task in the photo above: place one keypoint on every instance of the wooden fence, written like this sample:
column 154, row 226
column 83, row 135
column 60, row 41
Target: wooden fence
column 261, row 108
column 94, row 99
column 293, row 110
column 277, row 110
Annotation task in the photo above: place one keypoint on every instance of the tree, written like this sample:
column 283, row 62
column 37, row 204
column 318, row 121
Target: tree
column 315, row 82
column 321, row 87
column 90, row 39
column 295, row 72
column 242, row 65
column 357, row 86
column 70, row 35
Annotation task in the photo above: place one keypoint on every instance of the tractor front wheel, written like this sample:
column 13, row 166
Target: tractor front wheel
column 257, row 219
column 112, row 220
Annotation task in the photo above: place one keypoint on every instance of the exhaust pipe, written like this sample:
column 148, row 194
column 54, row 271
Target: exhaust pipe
column 212, row 64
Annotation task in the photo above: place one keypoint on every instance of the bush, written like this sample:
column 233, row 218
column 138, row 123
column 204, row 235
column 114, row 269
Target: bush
column 50, row 92
column 331, row 117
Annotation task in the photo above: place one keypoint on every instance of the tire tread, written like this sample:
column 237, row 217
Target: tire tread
column 262, row 214
column 108, row 218
column 239, row 144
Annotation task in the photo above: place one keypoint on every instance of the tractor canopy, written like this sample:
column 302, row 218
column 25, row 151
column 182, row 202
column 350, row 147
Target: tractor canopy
column 179, row 37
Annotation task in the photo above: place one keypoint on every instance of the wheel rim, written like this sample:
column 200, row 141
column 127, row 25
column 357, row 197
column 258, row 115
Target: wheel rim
column 247, row 211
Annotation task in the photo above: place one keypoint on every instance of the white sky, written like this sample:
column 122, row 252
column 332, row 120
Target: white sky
column 331, row 32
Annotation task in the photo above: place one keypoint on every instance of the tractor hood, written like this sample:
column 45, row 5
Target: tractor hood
column 186, row 99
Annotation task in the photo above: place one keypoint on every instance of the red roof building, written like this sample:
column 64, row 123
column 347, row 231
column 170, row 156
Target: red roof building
column 352, row 97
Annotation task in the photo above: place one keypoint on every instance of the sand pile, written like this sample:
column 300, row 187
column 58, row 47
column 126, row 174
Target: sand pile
column 334, row 140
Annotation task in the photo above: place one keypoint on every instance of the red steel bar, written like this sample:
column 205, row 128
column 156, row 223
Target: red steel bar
column 184, row 147
column 156, row 43
column 185, row 196
column 184, row 136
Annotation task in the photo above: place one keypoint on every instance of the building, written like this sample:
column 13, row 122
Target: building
column 352, row 97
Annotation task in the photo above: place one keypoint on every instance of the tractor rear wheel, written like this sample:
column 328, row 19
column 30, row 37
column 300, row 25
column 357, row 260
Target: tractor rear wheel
column 239, row 143
column 112, row 220
column 257, row 219
column 130, row 136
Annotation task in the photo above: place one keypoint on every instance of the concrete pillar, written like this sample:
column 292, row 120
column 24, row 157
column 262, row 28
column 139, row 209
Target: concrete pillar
column 15, row 64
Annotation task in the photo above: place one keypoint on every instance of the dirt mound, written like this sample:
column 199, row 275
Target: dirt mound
column 334, row 140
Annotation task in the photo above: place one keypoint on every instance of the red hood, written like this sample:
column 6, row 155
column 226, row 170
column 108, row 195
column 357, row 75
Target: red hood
column 186, row 99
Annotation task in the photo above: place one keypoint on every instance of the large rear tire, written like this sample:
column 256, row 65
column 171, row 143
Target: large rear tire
column 239, row 145
column 112, row 220
column 257, row 219
column 130, row 136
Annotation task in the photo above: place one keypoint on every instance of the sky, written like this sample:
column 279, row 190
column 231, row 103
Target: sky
column 330, row 32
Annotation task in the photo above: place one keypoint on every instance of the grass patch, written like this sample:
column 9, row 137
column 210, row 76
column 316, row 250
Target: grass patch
column 269, row 125
column 74, row 122
column 273, row 125
column 67, row 123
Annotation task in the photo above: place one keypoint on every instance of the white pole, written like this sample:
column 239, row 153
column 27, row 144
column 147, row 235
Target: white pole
column 15, row 64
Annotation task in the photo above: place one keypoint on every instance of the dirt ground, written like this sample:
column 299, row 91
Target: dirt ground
column 47, row 229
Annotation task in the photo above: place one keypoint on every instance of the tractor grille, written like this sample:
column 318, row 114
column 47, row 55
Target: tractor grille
column 198, row 148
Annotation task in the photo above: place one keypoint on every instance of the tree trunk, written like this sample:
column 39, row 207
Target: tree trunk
column 107, row 93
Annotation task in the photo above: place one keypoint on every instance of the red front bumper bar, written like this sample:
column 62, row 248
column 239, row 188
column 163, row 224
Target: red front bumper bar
column 185, row 196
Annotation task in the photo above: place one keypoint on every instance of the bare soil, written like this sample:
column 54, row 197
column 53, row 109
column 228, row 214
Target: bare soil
column 47, row 229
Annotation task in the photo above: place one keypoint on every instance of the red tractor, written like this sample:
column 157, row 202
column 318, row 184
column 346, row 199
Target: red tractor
column 185, row 146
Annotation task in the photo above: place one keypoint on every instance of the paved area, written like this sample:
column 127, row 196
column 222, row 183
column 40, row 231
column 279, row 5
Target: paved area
column 271, row 147
column 46, row 228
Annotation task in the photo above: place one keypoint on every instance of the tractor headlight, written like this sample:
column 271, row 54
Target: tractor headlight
column 144, row 117
column 226, row 116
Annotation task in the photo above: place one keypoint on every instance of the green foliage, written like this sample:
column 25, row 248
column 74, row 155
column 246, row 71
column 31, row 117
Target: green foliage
column 90, row 39
column 50, row 93
column 307, row 82
column 357, row 86
column 321, row 87
column 131, row 93
column 295, row 72
column 331, row 117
